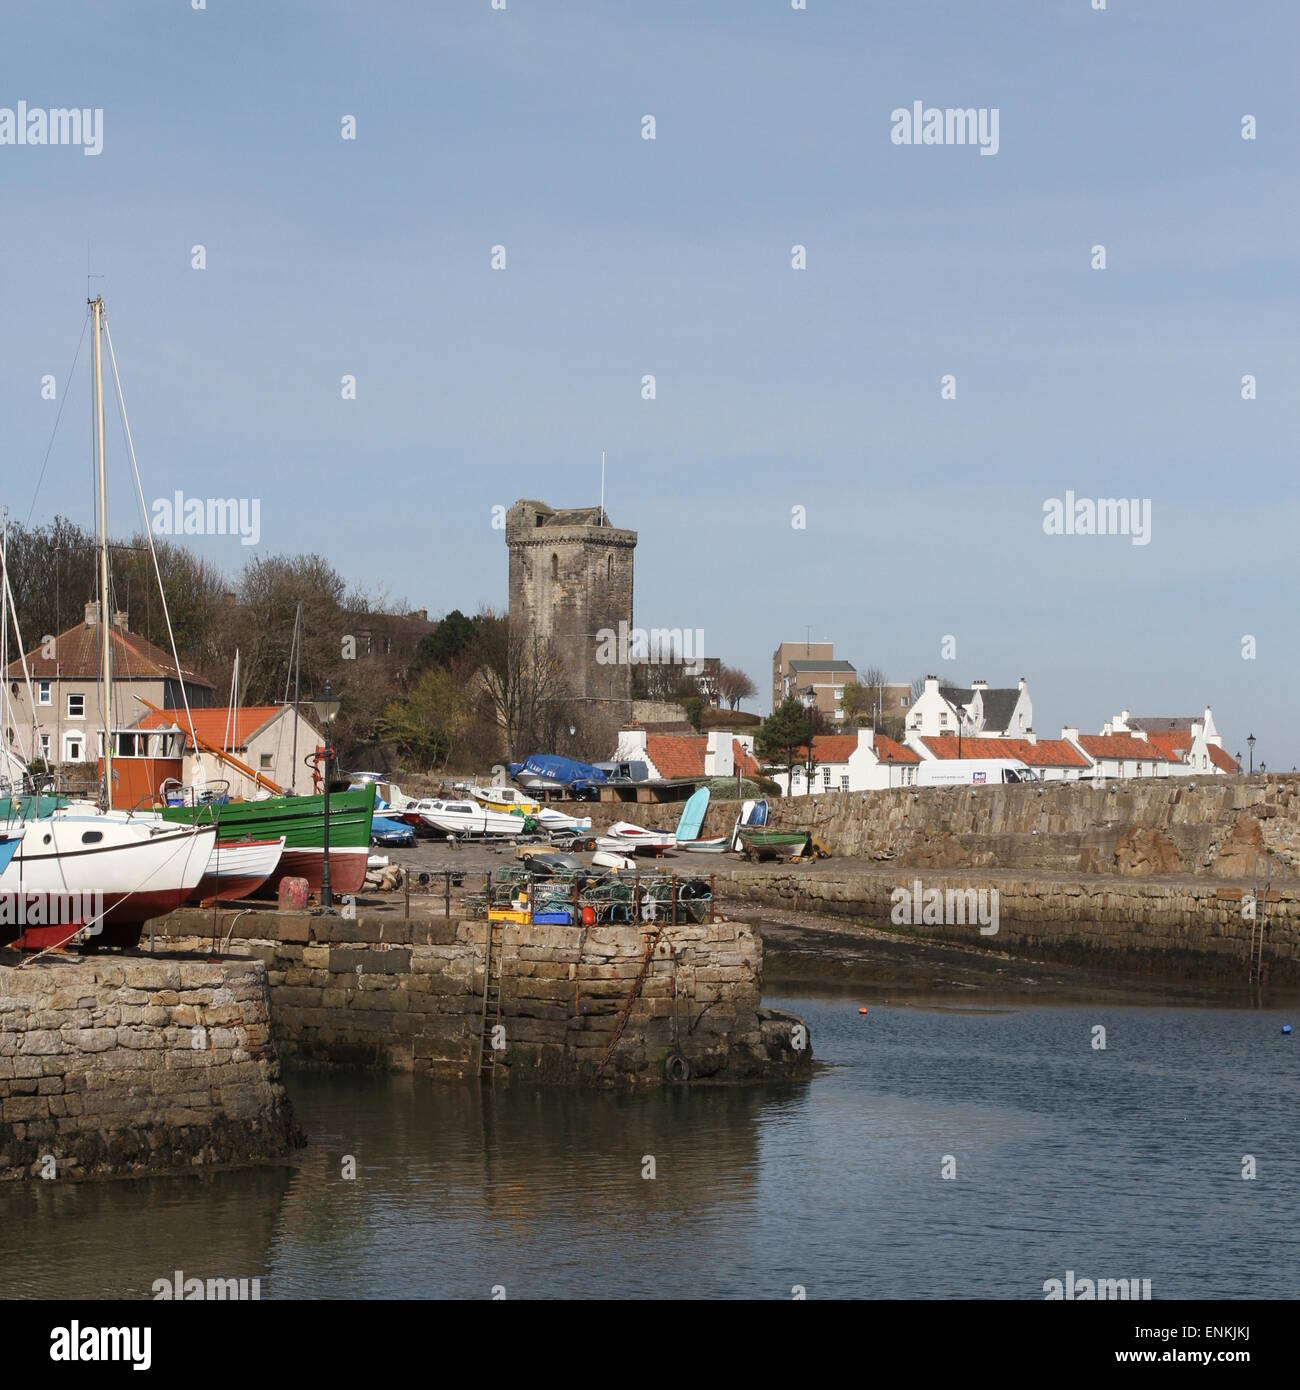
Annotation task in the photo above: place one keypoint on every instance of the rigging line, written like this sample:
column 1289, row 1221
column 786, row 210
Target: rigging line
column 72, row 376
column 144, row 511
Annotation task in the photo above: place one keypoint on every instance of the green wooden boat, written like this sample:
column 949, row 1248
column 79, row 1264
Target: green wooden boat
column 764, row 843
column 301, row 820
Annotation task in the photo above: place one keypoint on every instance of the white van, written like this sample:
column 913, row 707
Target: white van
column 973, row 772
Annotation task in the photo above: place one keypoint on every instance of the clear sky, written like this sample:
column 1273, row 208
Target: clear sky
column 776, row 388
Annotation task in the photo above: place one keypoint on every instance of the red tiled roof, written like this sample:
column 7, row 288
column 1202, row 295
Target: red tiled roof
column 1121, row 746
column 839, row 748
column 677, row 755
column 76, row 656
column 890, row 752
column 834, row 748
column 1224, row 761
column 1044, row 752
column 1174, row 745
column 744, row 760
column 210, row 724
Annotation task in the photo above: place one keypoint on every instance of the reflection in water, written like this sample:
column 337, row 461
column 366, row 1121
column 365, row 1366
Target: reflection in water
column 1117, row 1163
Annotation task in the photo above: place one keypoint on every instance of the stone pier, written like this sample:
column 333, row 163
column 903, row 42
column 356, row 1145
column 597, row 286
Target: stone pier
column 624, row 1004
column 129, row 1065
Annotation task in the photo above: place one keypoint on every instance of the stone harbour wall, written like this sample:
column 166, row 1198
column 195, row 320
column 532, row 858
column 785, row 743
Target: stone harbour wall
column 137, row 1065
column 1174, row 930
column 611, row 1005
column 1206, row 825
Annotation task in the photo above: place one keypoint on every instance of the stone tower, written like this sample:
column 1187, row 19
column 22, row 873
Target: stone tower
column 571, row 577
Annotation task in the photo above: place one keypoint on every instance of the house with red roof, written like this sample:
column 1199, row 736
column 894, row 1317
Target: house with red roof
column 1155, row 746
column 1053, row 759
column 274, row 740
column 66, row 709
column 679, row 753
column 858, row 762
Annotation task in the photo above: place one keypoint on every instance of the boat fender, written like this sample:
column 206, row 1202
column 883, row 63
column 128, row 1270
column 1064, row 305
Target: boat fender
column 677, row 1068
column 1286, row 1027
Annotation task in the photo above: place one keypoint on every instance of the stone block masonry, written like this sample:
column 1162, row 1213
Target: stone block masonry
column 137, row 1065
column 627, row 1004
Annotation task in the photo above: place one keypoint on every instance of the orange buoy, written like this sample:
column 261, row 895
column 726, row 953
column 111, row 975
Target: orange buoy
column 863, row 1009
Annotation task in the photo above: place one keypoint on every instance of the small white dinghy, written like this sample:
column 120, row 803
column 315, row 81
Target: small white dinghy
column 625, row 838
column 607, row 859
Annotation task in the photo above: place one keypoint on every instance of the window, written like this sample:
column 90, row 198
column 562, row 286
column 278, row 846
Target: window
column 798, row 774
column 91, row 837
column 844, row 782
column 45, row 747
column 826, row 777
column 73, row 748
column 943, row 718
column 555, row 566
column 265, row 761
column 43, row 693
column 76, row 706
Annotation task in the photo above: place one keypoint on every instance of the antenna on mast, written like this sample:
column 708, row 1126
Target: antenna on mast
column 602, row 487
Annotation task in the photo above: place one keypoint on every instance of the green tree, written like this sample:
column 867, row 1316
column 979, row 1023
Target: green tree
column 427, row 722
column 783, row 733
column 453, row 636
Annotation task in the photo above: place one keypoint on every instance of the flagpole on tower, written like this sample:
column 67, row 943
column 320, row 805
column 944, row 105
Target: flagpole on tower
column 602, row 487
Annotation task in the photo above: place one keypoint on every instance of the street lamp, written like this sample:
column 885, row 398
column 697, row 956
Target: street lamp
column 327, row 711
column 1250, row 740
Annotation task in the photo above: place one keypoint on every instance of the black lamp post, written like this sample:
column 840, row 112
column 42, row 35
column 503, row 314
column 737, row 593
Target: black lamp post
column 327, row 709
column 1250, row 741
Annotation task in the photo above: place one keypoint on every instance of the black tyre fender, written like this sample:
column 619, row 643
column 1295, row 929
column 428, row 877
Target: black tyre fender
column 677, row 1068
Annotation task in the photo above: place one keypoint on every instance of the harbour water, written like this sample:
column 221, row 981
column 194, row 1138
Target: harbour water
column 1121, row 1163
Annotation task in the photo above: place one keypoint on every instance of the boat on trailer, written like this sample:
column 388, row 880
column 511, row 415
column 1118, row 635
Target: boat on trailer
column 470, row 820
column 504, row 799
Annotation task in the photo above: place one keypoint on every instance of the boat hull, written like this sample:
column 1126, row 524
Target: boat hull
column 60, row 880
column 237, row 870
column 347, row 870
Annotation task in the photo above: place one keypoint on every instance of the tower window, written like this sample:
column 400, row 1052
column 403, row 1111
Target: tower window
column 609, row 567
column 555, row 566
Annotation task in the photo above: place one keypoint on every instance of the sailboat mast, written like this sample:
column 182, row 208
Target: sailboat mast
column 297, row 680
column 106, row 673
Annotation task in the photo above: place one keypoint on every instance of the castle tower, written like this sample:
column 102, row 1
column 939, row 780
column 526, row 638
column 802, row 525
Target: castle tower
column 571, row 577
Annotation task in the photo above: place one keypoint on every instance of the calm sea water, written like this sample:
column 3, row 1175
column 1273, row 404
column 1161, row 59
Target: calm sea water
column 1123, row 1163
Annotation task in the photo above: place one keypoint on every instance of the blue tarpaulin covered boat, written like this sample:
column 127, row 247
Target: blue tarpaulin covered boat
column 551, row 772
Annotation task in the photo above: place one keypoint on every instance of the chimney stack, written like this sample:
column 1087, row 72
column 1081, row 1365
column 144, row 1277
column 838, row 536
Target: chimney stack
column 92, row 613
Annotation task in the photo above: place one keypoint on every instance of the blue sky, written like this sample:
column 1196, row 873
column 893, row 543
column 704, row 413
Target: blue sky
column 775, row 388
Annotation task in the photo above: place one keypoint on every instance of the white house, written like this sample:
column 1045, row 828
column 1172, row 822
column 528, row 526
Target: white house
column 681, row 755
column 1158, row 746
column 857, row 762
column 980, row 712
column 1054, row 759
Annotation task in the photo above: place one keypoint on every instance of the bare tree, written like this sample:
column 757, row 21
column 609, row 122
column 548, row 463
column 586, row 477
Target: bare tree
column 524, row 681
column 734, row 686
